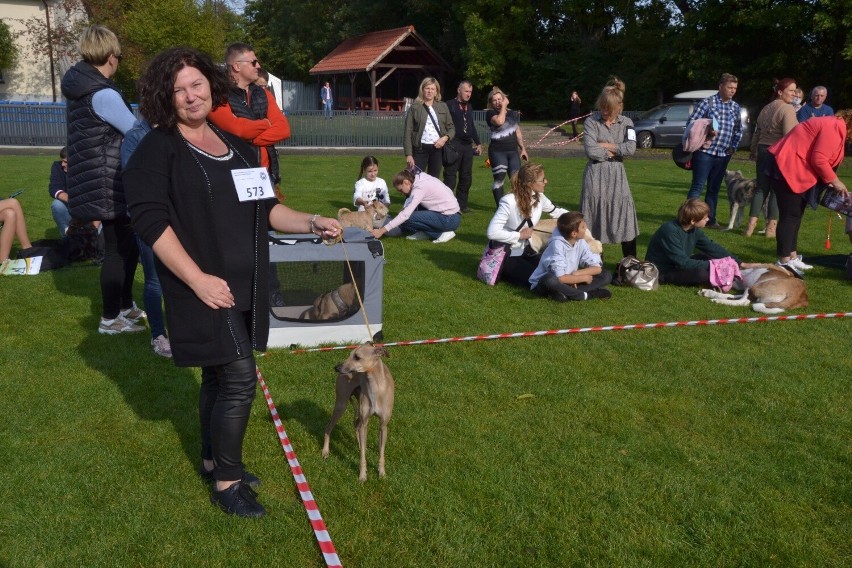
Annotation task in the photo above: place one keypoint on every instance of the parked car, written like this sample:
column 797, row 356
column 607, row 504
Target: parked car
column 663, row 125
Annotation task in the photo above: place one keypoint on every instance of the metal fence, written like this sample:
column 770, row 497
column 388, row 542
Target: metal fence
column 43, row 124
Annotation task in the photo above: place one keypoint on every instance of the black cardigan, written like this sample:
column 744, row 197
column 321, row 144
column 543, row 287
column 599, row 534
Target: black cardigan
column 165, row 187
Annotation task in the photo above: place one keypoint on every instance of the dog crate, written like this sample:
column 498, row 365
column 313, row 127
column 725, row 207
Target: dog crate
column 312, row 288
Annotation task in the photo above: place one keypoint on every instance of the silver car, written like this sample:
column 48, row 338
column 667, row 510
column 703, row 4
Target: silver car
column 663, row 126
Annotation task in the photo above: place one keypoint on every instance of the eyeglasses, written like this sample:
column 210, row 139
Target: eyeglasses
column 254, row 62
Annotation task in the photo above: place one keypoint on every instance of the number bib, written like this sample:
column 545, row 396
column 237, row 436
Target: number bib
column 252, row 184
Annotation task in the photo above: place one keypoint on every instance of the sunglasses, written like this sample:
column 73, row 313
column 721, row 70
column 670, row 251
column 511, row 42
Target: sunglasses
column 118, row 56
column 254, row 62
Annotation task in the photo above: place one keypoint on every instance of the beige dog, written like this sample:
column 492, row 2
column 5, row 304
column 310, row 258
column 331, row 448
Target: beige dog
column 365, row 376
column 545, row 227
column 370, row 218
column 336, row 304
column 770, row 289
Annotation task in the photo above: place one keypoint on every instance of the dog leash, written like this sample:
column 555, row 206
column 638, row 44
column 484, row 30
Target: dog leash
column 339, row 239
column 320, row 531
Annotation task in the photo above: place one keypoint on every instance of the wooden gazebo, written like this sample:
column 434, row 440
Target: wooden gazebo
column 379, row 55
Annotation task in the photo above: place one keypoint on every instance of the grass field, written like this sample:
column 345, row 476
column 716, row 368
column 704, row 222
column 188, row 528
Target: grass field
column 697, row 446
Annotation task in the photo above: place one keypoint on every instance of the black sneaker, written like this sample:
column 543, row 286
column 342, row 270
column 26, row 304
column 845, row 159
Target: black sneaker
column 238, row 499
column 558, row 296
column 600, row 294
column 249, row 478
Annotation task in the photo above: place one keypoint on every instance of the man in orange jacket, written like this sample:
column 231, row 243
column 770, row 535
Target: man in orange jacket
column 251, row 112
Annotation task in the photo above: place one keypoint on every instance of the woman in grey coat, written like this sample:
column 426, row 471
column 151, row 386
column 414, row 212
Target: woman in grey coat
column 428, row 127
column 606, row 201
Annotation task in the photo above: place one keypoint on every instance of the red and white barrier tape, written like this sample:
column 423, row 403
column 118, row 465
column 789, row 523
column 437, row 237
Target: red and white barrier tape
column 588, row 329
column 570, row 120
column 320, row 531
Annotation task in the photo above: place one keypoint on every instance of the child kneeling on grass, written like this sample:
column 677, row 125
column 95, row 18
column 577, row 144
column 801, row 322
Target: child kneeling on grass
column 568, row 269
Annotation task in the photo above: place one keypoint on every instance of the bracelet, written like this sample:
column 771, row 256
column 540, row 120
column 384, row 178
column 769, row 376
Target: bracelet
column 313, row 226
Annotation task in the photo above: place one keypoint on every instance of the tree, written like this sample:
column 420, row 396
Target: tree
column 8, row 51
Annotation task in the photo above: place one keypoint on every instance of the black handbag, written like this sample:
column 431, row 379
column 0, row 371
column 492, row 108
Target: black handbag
column 449, row 153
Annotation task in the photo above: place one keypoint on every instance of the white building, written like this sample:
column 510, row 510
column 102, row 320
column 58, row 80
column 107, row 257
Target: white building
column 35, row 77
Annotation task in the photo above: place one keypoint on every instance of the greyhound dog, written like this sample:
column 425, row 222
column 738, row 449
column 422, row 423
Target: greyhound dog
column 545, row 227
column 740, row 192
column 364, row 375
column 770, row 289
column 372, row 217
column 335, row 304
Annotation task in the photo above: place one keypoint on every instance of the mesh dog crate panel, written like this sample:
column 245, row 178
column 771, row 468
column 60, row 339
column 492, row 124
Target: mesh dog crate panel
column 312, row 291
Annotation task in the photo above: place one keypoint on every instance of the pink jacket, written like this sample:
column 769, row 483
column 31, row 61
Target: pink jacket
column 695, row 137
column 810, row 152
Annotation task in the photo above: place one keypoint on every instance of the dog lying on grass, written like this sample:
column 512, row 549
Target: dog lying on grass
column 370, row 218
column 544, row 229
column 365, row 377
column 770, row 289
column 740, row 192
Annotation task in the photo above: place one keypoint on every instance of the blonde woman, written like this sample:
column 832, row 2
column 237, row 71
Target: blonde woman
column 428, row 126
column 516, row 214
column 506, row 149
column 606, row 201
column 98, row 119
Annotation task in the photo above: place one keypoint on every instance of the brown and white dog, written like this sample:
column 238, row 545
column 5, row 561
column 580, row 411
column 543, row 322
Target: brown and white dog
column 544, row 229
column 770, row 289
column 366, row 377
column 338, row 303
column 370, row 218
column 740, row 192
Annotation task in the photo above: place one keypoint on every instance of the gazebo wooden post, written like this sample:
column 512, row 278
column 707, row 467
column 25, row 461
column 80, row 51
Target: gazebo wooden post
column 373, row 88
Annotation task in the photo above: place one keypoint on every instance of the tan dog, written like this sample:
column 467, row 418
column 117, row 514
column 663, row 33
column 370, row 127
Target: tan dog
column 336, row 304
column 370, row 218
column 545, row 227
column 770, row 289
column 365, row 376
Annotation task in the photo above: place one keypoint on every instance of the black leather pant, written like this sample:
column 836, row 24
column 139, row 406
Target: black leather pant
column 224, row 406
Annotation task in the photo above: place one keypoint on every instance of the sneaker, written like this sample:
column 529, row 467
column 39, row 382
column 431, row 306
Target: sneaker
column 557, row 296
column 799, row 263
column 249, row 478
column 118, row 325
column 600, row 294
column 445, row 236
column 466, row 210
column 714, row 226
column 133, row 314
column 161, row 346
column 791, row 268
column 238, row 499
column 418, row 236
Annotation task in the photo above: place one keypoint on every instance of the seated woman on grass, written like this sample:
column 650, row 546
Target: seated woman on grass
column 673, row 247
column 430, row 210
column 12, row 225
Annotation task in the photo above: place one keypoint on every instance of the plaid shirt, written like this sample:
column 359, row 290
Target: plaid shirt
column 727, row 115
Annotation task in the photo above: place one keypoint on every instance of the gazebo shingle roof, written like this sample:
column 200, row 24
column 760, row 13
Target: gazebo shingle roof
column 400, row 47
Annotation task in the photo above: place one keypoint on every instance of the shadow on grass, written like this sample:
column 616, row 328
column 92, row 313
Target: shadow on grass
column 151, row 385
column 343, row 445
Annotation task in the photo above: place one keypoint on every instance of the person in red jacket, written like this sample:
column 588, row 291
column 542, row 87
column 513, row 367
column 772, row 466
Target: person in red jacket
column 806, row 156
column 251, row 111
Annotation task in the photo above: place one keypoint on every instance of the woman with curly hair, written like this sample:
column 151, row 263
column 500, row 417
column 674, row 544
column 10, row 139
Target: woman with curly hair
column 512, row 223
column 209, row 231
